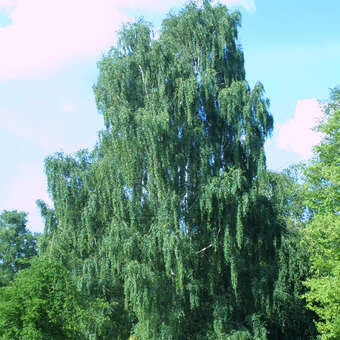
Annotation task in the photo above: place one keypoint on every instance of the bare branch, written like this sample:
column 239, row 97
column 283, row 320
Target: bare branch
column 204, row 249
column 144, row 82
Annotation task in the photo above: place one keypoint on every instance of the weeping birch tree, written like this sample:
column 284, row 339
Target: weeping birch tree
column 168, row 218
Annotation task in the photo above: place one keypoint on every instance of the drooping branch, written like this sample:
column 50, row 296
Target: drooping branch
column 144, row 81
column 204, row 249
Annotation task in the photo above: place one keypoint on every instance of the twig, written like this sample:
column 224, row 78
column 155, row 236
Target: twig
column 51, row 245
column 146, row 91
column 204, row 249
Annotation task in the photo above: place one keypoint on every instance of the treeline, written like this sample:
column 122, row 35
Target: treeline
column 172, row 227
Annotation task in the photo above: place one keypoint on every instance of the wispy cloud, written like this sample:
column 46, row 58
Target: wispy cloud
column 51, row 133
column 22, row 193
column 296, row 134
column 68, row 107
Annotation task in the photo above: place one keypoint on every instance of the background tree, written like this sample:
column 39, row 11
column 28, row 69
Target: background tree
column 322, row 235
column 43, row 302
column 290, row 319
column 17, row 244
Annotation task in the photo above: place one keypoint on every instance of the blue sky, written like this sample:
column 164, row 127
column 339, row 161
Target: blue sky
column 49, row 51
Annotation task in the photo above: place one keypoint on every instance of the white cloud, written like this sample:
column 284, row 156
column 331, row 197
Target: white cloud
column 296, row 134
column 166, row 5
column 150, row 5
column 4, row 4
column 45, row 34
column 248, row 5
column 28, row 128
column 53, row 132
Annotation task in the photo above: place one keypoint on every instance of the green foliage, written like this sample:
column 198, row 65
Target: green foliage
column 289, row 318
column 323, row 174
column 46, row 239
column 74, row 235
column 43, row 302
column 173, row 220
column 17, row 244
column 322, row 235
column 167, row 212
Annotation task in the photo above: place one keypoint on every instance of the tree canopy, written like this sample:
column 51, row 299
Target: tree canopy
column 17, row 244
column 323, row 233
column 167, row 214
